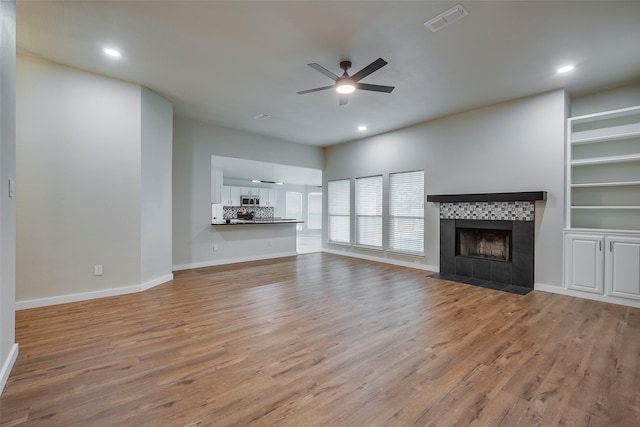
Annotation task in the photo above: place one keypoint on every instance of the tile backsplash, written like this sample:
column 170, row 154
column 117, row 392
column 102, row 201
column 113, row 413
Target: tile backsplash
column 492, row 211
column 230, row 212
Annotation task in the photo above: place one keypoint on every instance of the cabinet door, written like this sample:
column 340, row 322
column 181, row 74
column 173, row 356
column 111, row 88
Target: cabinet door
column 584, row 262
column 250, row 191
column 236, row 192
column 623, row 266
column 273, row 200
column 226, row 195
column 264, row 197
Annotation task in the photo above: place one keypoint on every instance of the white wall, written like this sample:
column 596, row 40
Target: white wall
column 514, row 146
column 193, row 236
column 80, row 139
column 157, row 150
column 8, row 348
column 611, row 99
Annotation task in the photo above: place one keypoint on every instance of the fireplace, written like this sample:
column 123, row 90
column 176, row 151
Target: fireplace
column 488, row 239
column 484, row 243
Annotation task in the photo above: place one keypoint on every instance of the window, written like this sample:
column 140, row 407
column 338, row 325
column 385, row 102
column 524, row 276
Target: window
column 314, row 211
column 293, row 206
column 339, row 195
column 406, row 212
column 369, row 211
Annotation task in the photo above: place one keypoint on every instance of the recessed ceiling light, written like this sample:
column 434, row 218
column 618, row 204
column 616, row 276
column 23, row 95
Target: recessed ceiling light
column 362, row 128
column 112, row 52
column 565, row 69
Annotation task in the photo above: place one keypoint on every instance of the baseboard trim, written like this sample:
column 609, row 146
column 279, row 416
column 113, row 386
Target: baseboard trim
column 7, row 366
column 83, row 296
column 425, row 267
column 155, row 282
column 586, row 295
column 232, row 261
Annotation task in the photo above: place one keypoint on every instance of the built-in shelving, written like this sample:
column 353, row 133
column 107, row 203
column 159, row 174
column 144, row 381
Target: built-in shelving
column 605, row 184
column 603, row 160
column 605, row 207
column 603, row 170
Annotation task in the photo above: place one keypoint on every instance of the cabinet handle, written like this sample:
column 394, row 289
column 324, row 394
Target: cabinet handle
column 610, row 246
column 600, row 245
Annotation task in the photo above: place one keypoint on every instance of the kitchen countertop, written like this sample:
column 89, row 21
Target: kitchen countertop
column 235, row 221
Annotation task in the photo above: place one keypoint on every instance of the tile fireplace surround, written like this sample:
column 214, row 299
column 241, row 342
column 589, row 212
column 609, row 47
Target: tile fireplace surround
column 511, row 214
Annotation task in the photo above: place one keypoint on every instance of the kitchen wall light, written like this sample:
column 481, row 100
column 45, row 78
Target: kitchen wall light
column 262, row 181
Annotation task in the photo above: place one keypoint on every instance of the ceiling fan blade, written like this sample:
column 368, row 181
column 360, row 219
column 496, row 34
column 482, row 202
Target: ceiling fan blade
column 302, row 92
column 324, row 71
column 374, row 66
column 375, row 88
column 344, row 100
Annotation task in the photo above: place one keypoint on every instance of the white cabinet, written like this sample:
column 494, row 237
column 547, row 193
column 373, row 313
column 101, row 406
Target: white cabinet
column 606, row 264
column 226, row 196
column 231, row 195
column 623, row 266
column 268, row 197
column 603, row 170
column 264, row 197
column 584, row 262
column 236, row 192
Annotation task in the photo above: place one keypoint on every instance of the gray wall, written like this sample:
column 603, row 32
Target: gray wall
column 81, row 171
column 612, row 99
column 193, row 236
column 513, row 146
column 8, row 348
column 157, row 202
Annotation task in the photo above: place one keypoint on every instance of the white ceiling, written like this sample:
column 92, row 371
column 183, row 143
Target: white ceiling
column 224, row 62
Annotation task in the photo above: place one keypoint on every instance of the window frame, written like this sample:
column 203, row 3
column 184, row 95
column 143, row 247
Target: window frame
column 357, row 215
column 391, row 217
column 347, row 215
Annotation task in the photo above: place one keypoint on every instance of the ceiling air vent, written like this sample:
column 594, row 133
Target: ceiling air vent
column 449, row 17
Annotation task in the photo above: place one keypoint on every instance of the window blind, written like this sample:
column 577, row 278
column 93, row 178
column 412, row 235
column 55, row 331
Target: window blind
column 339, row 211
column 369, row 211
column 314, row 211
column 406, row 212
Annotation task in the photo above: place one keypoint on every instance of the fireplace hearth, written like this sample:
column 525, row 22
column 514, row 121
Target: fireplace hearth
column 488, row 239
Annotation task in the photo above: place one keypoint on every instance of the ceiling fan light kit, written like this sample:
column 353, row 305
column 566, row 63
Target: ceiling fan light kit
column 346, row 84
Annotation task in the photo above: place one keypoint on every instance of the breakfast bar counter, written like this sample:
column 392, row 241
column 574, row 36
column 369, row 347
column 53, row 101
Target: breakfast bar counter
column 258, row 221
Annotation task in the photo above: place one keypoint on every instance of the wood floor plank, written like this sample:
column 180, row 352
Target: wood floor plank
column 320, row 340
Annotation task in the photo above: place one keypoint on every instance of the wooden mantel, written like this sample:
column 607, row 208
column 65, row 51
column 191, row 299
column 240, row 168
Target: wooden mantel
column 489, row 197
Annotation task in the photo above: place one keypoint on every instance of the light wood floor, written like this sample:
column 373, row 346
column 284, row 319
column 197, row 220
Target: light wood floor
column 323, row 340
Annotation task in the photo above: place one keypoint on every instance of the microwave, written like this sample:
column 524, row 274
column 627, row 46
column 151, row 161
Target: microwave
column 249, row 201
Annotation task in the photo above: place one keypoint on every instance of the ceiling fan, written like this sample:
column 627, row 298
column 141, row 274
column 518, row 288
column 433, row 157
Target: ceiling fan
column 346, row 84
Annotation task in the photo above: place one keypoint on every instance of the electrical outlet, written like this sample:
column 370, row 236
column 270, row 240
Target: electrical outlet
column 97, row 270
column 269, row 242
column 216, row 248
